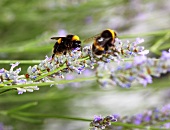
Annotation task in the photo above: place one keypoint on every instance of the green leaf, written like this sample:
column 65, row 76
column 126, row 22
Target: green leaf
column 26, row 119
column 25, row 106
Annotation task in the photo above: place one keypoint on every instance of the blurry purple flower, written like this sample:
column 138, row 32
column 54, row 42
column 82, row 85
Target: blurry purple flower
column 22, row 81
column 138, row 119
column 88, row 72
column 131, row 78
column 18, row 70
column 116, row 116
column 166, row 109
column 48, row 58
column 165, row 55
column 97, row 118
column 61, row 33
column 156, row 112
column 69, row 77
column 139, row 59
column 1, row 126
column 128, row 65
column 112, row 118
column 147, row 118
column 167, row 125
column 2, row 70
column 14, row 65
column 127, row 85
column 138, row 41
column 88, row 20
column 145, row 80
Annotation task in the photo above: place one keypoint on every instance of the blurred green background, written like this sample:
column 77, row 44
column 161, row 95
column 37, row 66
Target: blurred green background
column 26, row 27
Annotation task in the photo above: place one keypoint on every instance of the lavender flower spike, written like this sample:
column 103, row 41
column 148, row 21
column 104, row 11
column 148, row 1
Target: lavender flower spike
column 101, row 123
column 141, row 69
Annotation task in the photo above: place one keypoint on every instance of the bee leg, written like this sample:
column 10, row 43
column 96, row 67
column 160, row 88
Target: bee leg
column 52, row 57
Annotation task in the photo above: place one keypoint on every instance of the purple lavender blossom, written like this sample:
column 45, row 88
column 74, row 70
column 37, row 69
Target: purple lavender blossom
column 27, row 89
column 1, row 126
column 100, row 122
column 2, row 70
column 61, row 33
column 141, row 69
column 138, row 41
column 138, row 119
column 139, row 60
column 14, row 65
column 121, row 73
column 155, row 118
column 88, row 20
column 167, row 125
column 97, row 118
column 145, row 79
column 165, row 55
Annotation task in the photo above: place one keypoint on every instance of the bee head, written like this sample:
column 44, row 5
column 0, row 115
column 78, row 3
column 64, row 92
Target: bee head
column 108, row 34
column 73, row 37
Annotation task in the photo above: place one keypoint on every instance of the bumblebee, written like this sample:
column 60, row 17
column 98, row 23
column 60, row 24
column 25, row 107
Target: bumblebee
column 66, row 44
column 103, row 42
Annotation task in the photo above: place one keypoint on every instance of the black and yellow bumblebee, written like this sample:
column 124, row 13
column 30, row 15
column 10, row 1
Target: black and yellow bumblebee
column 66, row 44
column 103, row 42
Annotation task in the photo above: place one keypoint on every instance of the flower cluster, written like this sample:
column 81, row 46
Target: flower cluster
column 157, row 118
column 79, row 60
column 12, row 77
column 101, row 123
column 141, row 69
column 120, row 51
column 154, row 118
column 76, row 61
column 68, row 63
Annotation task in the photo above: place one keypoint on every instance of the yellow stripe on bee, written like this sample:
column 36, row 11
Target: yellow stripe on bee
column 112, row 32
column 98, row 47
column 75, row 38
column 59, row 40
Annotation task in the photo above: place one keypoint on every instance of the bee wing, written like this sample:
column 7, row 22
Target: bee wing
column 56, row 38
column 104, row 41
column 91, row 39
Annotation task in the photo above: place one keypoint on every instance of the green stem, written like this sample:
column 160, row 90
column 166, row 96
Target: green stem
column 49, row 83
column 51, row 116
column 20, row 61
column 31, row 120
column 25, row 106
column 56, row 70
column 35, row 115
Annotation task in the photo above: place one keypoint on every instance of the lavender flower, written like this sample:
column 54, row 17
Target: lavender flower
column 1, row 126
column 78, row 61
column 27, row 89
column 155, row 118
column 141, row 69
column 61, row 33
column 101, row 123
